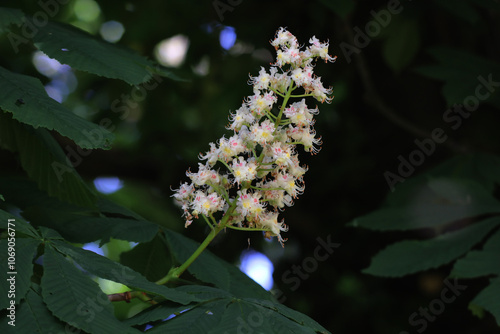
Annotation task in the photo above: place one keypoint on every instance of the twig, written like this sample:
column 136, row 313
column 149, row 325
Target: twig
column 127, row 296
column 374, row 99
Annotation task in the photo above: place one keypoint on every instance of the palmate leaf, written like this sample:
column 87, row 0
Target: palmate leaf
column 431, row 204
column 207, row 269
column 157, row 312
column 150, row 259
column 23, row 193
column 480, row 263
column 210, row 269
column 234, row 315
column 488, row 298
column 75, row 223
column 85, row 52
column 25, row 249
column 103, row 267
column 39, row 110
column 411, row 256
column 21, row 226
column 87, row 227
column 221, row 312
column 75, row 299
column 44, row 162
column 118, row 228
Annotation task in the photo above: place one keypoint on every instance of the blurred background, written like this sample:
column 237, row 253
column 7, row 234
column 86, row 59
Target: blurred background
column 386, row 96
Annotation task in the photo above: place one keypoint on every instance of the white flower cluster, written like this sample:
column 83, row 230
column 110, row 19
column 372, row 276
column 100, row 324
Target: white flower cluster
column 262, row 172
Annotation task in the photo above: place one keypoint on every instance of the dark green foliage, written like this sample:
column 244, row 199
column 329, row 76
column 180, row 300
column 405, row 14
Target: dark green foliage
column 461, row 211
column 48, row 206
column 441, row 222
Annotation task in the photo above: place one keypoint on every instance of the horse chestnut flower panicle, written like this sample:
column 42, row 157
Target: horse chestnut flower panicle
column 258, row 165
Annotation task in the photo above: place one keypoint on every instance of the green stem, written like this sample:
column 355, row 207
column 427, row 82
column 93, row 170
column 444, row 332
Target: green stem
column 302, row 95
column 285, row 101
column 265, row 189
column 248, row 228
column 278, row 93
column 206, row 220
column 174, row 273
column 227, row 166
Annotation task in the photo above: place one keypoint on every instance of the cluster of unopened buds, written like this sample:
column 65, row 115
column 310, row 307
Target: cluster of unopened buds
column 261, row 169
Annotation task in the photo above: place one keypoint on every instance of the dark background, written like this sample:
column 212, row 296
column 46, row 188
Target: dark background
column 382, row 104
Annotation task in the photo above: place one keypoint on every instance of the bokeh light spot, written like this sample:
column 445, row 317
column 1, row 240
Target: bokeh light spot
column 227, row 37
column 87, row 10
column 112, row 31
column 108, row 185
column 258, row 267
column 172, row 51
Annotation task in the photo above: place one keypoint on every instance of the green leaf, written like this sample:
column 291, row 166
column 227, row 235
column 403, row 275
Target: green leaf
column 74, row 298
column 44, row 161
column 401, row 44
column 22, row 269
column 32, row 316
column 9, row 16
column 462, row 73
column 103, row 267
column 431, row 204
column 221, row 312
column 107, row 206
column 298, row 317
column 209, row 268
column 478, row 167
column 204, row 293
column 82, row 228
column 157, row 312
column 203, row 319
column 234, row 315
column 50, row 234
column 150, row 259
column 480, row 263
column 85, row 52
column 20, row 225
column 342, row 8
column 39, row 110
column 489, row 297
column 24, row 193
column 411, row 256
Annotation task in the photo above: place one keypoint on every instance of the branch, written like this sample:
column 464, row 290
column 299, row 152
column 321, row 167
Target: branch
column 374, row 99
column 127, row 296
